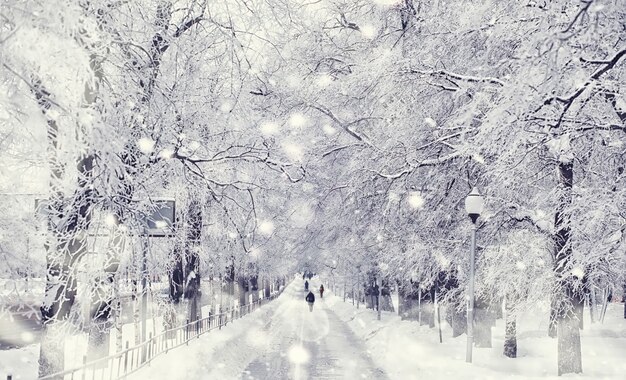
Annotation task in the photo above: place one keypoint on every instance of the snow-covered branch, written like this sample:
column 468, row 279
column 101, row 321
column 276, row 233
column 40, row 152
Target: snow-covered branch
column 568, row 100
column 450, row 75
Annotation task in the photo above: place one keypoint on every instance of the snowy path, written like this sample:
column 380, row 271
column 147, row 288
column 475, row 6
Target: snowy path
column 282, row 340
column 310, row 345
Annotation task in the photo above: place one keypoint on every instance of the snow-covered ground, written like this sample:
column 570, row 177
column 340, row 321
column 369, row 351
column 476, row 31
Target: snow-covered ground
column 406, row 350
column 337, row 340
column 21, row 363
column 283, row 340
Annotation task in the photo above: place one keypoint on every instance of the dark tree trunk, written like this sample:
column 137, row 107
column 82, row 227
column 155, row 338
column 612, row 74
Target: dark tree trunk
column 192, row 263
column 553, row 317
column 624, row 298
column 458, row 320
column 192, row 290
column 385, row 297
column 242, row 290
column 268, row 291
column 510, row 337
column 401, row 300
column 370, row 296
column 230, row 278
column 177, row 277
column 254, row 287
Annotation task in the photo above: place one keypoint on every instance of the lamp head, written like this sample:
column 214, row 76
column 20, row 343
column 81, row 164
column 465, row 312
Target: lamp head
column 474, row 204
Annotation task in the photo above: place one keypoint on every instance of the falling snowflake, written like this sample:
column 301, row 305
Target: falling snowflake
column 297, row 120
column 226, row 106
column 368, row 31
column 269, row 128
column 110, row 220
column 297, row 354
column 293, row 151
column 255, row 252
column 167, row 153
column 324, row 80
column 430, row 122
column 266, row 227
column 146, row 145
column 329, row 130
column 416, row 201
column 578, row 272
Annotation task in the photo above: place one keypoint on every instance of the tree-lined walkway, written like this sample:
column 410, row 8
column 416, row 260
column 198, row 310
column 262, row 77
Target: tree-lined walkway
column 310, row 345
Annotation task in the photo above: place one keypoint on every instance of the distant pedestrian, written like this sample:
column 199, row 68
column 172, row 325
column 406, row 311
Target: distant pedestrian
column 310, row 299
column 321, row 291
column 306, row 285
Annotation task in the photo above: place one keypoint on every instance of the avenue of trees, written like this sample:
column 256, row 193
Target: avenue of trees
column 336, row 136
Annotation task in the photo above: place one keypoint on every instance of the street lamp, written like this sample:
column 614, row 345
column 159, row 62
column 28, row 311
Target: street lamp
column 473, row 206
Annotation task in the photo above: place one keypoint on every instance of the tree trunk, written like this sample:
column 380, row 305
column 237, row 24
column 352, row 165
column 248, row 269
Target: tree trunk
column 136, row 309
column 592, row 306
column 105, row 301
column 68, row 222
column 569, row 306
column 230, row 278
column 510, row 337
column 254, row 287
column 427, row 309
column 569, row 349
column 408, row 298
column 386, row 304
column 483, row 320
column 552, row 333
column 192, row 291
column 118, row 316
column 242, row 283
column 457, row 320
column 401, row 295
column 510, row 333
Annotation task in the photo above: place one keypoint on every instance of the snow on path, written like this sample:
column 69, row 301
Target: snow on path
column 281, row 340
column 311, row 345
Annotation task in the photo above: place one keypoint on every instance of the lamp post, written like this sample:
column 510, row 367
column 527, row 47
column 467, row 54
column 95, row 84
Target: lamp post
column 473, row 206
column 379, row 286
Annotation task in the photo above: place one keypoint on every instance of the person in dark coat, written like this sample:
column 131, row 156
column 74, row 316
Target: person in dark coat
column 306, row 285
column 310, row 299
column 321, row 291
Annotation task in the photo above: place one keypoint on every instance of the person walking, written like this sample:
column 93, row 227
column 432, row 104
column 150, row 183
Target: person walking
column 310, row 299
column 321, row 291
column 306, row 285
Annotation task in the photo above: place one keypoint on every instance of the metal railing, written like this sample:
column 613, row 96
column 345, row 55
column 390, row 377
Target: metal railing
column 129, row 360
